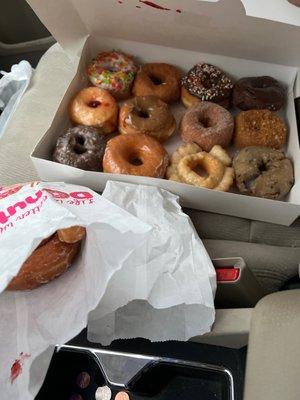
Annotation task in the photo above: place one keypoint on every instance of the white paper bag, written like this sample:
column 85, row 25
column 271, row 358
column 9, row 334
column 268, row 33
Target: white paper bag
column 56, row 312
column 171, row 294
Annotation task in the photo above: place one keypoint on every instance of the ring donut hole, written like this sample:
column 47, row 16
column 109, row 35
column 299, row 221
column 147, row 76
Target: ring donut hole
column 156, row 80
column 206, row 122
column 207, row 80
column 141, row 113
column 262, row 167
column 200, row 170
column 135, row 159
column 94, row 103
column 78, row 143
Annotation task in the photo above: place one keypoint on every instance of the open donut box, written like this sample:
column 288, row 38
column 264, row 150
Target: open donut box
column 181, row 33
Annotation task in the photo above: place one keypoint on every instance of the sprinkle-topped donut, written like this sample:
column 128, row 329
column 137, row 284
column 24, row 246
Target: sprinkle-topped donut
column 208, row 83
column 113, row 71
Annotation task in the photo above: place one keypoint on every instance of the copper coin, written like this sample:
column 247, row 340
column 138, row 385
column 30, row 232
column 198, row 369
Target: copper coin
column 83, row 380
column 122, row 396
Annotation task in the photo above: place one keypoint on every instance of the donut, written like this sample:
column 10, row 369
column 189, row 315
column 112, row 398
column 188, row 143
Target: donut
column 205, row 82
column 135, row 154
column 95, row 107
column 113, row 71
column 52, row 258
column 216, row 163
column 148, row 115
column 258, row 93
column 81, row 147
column 259, row 128
column 158, row 79
column 263, row 172
column 207, row 124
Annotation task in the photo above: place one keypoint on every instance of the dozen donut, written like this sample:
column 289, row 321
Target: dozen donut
column 128, row 137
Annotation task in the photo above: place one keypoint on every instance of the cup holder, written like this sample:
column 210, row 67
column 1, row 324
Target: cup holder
column 75, row 374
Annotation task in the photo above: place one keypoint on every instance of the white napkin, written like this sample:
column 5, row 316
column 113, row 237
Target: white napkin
column 166, row 288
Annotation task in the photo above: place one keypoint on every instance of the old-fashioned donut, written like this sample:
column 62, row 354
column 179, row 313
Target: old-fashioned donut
column 148, row 115
column 95, row 107
column 158, row 79
column 52, row 258
column 205, row 82
column 216, row 180
column 81, row 147
column 263, row 172
column 113, row 71
column 259, row 128
column 261, row 92
column 207, row 124
column 135, row 154
column 214, row 168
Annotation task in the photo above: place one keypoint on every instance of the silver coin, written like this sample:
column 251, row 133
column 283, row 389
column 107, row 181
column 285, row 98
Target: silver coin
column 103, row 393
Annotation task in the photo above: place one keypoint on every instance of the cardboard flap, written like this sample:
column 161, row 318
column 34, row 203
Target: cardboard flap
column 275, row 10
column 219, row 27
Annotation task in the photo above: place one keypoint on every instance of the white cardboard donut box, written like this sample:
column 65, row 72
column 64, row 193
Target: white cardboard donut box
column 182, row 33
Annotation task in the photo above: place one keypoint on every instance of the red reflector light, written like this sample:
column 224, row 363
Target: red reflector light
column 229, row 274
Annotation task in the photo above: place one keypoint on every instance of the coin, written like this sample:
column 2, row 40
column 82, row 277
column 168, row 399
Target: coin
column 103, row 393
column 122, row 396
column 83, row 380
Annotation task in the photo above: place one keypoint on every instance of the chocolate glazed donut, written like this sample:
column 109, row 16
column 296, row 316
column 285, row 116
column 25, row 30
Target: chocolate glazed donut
column 81, row 147
column 257, row 93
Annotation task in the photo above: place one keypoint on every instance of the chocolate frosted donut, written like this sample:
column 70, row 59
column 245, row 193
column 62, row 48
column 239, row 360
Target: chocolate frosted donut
column 262, row 92
column 207, row 83
column 263, row 172
column 207, row 124
column 81, row 147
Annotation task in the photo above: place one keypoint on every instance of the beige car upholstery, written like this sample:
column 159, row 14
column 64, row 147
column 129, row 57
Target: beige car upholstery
column 273, row 361
column 271, row 251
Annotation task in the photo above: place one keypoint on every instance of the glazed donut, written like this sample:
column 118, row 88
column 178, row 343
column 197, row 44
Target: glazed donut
column 262, row 92
column 81, row 147
column 95, row 107
column 259, row 128
column 207, row 124
column 148, row 115
column 182, row 164
column 51, row 259
column 113, row 71
column 263, row 172
column 205, row 82
column 160, row 80
column 135, row 154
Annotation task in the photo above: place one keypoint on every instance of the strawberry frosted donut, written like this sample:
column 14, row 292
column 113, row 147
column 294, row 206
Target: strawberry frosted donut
column 113, row 71
column 135, row 154
column 94, row 107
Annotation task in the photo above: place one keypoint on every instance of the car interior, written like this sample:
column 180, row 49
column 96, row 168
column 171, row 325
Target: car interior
column 253, row 350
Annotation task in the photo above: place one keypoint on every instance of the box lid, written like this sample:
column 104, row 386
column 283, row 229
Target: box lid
column 270, row 32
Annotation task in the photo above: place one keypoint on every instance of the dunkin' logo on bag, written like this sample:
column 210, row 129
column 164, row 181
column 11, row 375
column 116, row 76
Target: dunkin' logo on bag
column 59, row 195
column 74, row 198
column 12, row 210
